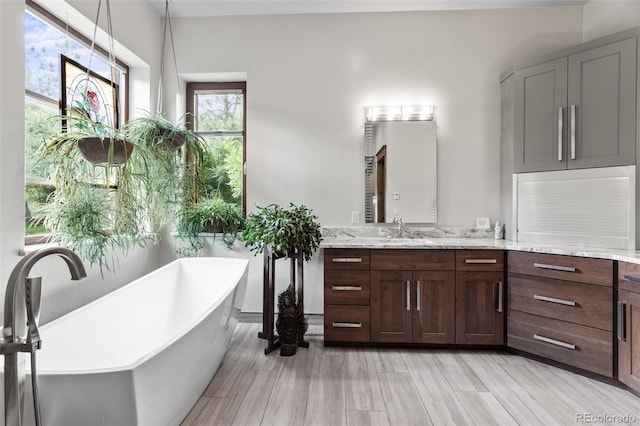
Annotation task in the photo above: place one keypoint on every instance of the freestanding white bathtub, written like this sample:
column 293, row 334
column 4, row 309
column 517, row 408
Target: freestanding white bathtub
column 143, row 354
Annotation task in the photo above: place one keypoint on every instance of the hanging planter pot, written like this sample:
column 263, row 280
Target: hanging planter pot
column 155, row 131
column 105, row 151
column 171, row 140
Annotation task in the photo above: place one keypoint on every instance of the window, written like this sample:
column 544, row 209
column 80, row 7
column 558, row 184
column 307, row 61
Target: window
column 218, row 111
column 46, row 40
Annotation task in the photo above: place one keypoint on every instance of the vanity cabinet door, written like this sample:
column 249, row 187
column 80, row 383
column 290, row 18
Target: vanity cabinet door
column 480, row 308
column 629, row 339
column 434, row 313
column 628, row 324
column 413, row 307
column 391, row 314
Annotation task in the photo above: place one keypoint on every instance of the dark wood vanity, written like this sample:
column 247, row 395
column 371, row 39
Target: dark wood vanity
column 578, row 312
column 414, row 296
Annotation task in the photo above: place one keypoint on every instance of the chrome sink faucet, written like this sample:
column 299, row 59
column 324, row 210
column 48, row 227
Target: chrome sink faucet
column 20, row 332
column 400, row 222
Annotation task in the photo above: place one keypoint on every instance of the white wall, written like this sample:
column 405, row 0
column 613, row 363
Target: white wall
column 309, row 77
column 602, row 17
column 136, row 25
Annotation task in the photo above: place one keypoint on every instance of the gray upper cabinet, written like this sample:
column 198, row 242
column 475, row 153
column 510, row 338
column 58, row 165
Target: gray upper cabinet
column 577, row 111
column 602, row 106
column 540, row 99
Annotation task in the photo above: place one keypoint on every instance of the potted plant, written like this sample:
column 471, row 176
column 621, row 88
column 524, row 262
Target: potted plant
column 215, row 216
column 292, row 232
column 287, row 231
column 173, row 178
column 83, row 129
column 158, row 132
column 96, row 209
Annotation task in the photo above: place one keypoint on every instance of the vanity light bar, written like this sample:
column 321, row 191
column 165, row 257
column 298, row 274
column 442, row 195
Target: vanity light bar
column 399, row 113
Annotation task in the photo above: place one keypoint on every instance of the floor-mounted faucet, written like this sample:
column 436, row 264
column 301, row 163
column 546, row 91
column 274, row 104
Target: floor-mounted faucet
column 20, row 332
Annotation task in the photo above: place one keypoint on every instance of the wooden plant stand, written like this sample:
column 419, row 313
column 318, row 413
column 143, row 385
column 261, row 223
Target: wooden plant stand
column 268, row 295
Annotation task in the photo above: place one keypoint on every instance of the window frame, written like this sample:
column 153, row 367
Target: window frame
column 52, row 20
column 192, row 88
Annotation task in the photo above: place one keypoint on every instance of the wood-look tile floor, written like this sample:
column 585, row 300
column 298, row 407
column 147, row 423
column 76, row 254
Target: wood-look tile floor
column 365, row 386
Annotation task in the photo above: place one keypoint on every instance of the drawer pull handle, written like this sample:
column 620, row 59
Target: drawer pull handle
column 346, row 260
column 622, row 322
column 554, row 342
column 500, row 296
column 418, row 289
column 554, row 300
column 632, row 278
column 480, row 261
column 408, row 295
column 346, row 288
column 555, row 267
column 346, row 324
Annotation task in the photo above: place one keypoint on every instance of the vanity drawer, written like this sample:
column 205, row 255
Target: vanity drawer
column 583, row 304
column 346, row 323
column 412, row 260
column 346, row 259
column 569, row 268
column 480, row 260
column 346, row 287
column 572, row 344
column 629, row 277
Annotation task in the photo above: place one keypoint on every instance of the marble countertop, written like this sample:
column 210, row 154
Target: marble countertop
column 455, row 238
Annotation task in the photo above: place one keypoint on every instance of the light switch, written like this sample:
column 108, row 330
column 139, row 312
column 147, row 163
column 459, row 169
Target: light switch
column 396, row 195
column 355, row 217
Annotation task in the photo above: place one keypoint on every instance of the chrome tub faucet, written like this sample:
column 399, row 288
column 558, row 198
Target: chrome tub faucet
column 20, row 332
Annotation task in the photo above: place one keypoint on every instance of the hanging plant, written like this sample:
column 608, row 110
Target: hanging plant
column 104, row 204
column 155, row 131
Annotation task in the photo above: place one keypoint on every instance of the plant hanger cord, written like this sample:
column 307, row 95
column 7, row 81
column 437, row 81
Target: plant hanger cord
column 167, row 23
column 112, row 57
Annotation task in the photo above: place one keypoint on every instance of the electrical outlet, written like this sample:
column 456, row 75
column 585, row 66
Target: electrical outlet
column 355, row 217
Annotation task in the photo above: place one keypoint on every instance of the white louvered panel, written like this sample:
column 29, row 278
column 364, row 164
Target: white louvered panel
column 591, row 207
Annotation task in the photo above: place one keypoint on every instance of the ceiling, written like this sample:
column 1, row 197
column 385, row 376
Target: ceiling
column 202, row 8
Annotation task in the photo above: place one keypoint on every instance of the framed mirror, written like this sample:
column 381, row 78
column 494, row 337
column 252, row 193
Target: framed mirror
column 400, row 168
